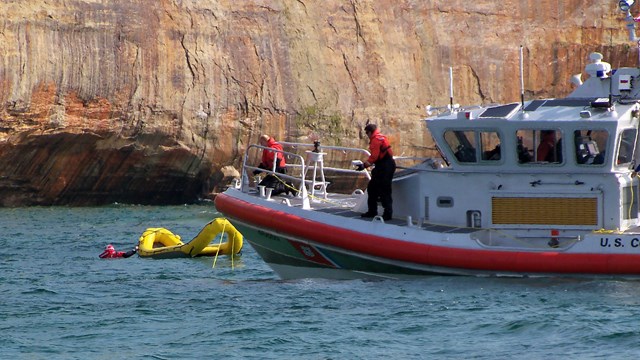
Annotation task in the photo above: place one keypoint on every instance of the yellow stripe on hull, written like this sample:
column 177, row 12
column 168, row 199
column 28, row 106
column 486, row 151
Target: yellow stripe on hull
column 162, row 243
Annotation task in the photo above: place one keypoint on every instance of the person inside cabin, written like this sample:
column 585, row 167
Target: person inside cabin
column 379, row 187
column 524, row 156
column 546, row 148
column 270, row 154
column 111, row 253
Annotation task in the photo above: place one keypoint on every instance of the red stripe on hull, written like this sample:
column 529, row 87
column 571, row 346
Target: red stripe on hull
column 431, row 255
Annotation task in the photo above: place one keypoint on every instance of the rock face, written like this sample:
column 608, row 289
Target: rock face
column 148, row 101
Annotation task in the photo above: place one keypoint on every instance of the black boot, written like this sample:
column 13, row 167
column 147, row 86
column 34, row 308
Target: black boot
column 291, row 190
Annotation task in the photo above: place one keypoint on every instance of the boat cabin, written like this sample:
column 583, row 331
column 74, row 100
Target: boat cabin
column 555, row 164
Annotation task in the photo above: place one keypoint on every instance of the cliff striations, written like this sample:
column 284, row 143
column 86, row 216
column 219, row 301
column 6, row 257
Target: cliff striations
column 154, row 102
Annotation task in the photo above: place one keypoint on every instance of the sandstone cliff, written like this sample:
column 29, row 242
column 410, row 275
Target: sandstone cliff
column 146, row 101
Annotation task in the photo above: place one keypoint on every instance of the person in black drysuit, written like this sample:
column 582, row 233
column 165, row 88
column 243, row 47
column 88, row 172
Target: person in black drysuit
column 379, row 187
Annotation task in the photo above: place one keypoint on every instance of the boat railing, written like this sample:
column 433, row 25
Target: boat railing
column 403, row 162
column 330, row 150
column 247, row 167
column 298, row 165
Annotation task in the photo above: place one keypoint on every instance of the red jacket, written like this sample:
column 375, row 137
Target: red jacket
column 268, row 156
column 110, row 254
column 113, row 254
column 379, row 147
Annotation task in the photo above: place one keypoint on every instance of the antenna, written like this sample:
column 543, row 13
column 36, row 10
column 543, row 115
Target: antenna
column 451, row 87
column 522, row 77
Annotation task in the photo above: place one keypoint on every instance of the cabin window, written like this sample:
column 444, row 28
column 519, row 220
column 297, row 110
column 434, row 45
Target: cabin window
column 590, row 146
column 463, row 144
column 490, row 143
column 626, row 146
column 539, row 146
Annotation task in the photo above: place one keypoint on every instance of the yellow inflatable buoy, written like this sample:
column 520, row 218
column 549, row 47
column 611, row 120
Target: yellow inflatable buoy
column 160, row 243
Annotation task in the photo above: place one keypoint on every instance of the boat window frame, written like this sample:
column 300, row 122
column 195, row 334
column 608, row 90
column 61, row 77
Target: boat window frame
column 477, row 145
column 493, row 151
column 602, row 150
column 536, row 143
column 619, row 146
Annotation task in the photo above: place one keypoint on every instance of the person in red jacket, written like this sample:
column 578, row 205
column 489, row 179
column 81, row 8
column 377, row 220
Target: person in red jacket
column 379, row 187
column 267, row 162
column 111, row 253
column 546, row 150
column 269, row 156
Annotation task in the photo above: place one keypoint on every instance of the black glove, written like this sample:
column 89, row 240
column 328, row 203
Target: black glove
column 359, row 167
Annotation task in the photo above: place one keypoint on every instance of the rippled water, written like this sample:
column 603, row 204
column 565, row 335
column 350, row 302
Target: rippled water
column 60, row 301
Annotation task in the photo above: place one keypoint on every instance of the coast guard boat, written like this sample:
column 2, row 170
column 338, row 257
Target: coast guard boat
column 537, row 188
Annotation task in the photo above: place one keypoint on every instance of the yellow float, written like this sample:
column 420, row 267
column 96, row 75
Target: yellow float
column 160, row 243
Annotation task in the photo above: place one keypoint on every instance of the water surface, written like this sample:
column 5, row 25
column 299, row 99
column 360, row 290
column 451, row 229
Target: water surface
column 60, row 301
